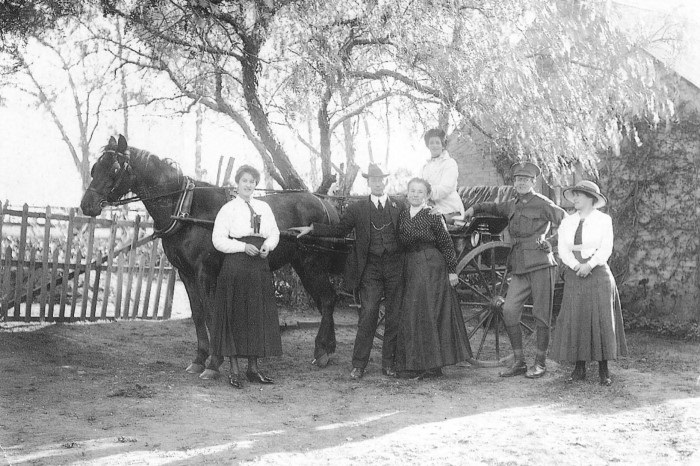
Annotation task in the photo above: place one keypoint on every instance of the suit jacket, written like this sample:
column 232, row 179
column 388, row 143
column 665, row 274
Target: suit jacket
column 356, row 217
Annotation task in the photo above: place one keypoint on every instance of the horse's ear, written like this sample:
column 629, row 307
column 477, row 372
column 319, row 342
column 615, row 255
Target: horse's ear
column 112, row 141
column 121, row 145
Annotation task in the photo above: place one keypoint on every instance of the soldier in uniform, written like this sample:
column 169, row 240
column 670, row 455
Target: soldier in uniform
column 531, row 217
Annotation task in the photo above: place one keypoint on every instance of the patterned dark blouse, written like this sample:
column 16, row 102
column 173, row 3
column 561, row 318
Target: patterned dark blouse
column 425, row 227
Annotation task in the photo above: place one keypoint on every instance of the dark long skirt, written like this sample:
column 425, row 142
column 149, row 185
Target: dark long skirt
column 245, row 320
column 589, row 326
column 431, row 327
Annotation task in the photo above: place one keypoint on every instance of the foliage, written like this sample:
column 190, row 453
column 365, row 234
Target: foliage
column 689, row 331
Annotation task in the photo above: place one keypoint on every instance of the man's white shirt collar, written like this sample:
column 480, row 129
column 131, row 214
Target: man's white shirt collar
column 381, row 199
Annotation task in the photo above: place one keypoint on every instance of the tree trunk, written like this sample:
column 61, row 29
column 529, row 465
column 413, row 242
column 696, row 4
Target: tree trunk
column 122, row 81
column 198, row 171
column 324, row 129
column 351, row 167
column 249, row 67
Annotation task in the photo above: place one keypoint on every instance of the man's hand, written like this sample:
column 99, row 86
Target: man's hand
column 454, row 279
column 432, row 210
column 264, row 250
column 301, row 231
column 251, row 250
column 584, row 270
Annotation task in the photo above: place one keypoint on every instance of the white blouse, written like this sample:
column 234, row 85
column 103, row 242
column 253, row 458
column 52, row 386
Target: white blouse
column 441, row 172
column 596, row 239
column 233, row 221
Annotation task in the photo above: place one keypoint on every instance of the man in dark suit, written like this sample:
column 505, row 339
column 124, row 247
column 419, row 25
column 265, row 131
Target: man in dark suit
column 374, row 267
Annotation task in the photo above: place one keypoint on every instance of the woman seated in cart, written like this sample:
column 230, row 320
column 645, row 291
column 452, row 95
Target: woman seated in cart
column 432, row 334
column 441, row 172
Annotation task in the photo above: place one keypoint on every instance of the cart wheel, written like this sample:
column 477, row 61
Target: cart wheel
column 482, row 287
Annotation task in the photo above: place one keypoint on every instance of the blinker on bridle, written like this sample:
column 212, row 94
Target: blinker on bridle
column 124, row 170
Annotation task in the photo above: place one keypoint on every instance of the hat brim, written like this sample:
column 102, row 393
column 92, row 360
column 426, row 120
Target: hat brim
column 601, row 200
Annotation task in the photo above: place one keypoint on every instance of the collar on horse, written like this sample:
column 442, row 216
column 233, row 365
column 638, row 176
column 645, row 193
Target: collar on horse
column 182, row 210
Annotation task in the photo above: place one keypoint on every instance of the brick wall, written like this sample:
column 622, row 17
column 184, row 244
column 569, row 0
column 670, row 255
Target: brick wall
column 472, row 151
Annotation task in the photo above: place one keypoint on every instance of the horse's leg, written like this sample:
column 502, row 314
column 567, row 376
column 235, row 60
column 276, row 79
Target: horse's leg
column 200, row 325
column 207, row 285
column 314, row 276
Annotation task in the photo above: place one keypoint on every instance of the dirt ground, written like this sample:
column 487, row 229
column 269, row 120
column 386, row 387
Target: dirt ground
column 117, row 393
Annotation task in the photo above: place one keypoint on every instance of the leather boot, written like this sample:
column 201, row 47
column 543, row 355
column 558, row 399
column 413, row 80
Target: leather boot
column 579, row 372
column 603, row 373
column 539, row 369
column 516, row 341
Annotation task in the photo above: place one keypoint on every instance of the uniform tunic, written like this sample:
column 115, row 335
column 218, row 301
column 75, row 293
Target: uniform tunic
column 531, row 261
column 431, row 330
column 589, row 326
column 441, row 172
column 245, row 321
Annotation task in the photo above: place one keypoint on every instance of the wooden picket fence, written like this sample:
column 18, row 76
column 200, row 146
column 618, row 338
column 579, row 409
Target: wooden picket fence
column 57, row 265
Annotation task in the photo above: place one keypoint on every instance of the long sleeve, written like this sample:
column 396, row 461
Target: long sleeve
column 566, row 241
column 347, row 223
column 446, row 183
column 271, row 229
column 497, row 209
column 220, row 237
column 443, row 242
column 605, row 231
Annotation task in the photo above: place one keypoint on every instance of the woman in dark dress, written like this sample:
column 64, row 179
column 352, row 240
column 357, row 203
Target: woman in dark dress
column 589, row 326
column 431, row 332
column 245, row 322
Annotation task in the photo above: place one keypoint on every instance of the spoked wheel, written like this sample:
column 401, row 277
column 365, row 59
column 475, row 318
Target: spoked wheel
column 482, row 287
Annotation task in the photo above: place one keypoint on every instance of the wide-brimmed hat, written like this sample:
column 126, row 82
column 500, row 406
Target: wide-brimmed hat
column 525, row 169
column 588, row 187
column 374, row 171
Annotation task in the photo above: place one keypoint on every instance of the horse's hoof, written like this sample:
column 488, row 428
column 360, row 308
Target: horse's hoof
column 195, row 368
column 321, row 361
column 209, row 374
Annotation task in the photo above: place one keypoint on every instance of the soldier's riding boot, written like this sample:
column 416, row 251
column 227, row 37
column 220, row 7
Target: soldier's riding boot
column 516, row 341
column 539, row 369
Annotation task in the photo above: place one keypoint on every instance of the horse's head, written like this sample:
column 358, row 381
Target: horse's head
column 112, row 177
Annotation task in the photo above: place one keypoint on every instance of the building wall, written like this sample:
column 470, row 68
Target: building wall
column 473, row 153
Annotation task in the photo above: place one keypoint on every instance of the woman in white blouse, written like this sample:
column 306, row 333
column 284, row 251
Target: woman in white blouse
column 245, row 322
column 441, row 173
column 589, row 326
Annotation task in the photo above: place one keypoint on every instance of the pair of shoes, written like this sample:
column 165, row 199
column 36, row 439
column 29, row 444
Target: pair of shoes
column 235, row 381
column 518, row 368
column 389, row 372
column 606, row 381
column 537, row 371
column 357, row 373
column 258, row 377
column 321, row 361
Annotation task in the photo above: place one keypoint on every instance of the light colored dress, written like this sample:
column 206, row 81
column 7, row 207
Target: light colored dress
column 442, row 172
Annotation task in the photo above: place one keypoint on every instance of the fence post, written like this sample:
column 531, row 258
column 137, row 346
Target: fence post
column 52, row 285
column 139, row 283
column 132, row 260
column 20, row 258
column 169, row 294
column 6, row 288
column 88, row 267
column 76, row 285
column 149, row 279
column 66, row 264
column 110, row 267
column 159, row 287
column 30, row 285
column 120, row 287
column 45, row 264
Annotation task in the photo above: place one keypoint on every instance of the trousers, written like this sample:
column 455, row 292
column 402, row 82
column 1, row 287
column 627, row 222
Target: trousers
column 382, row 278
column 540, row 285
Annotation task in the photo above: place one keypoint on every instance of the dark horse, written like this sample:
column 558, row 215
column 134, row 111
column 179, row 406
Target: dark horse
column 159, row 185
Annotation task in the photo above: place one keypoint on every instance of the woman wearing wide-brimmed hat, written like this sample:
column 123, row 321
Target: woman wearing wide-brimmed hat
column 589, row 327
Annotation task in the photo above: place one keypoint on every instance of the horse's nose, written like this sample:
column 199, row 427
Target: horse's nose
column 90, row 204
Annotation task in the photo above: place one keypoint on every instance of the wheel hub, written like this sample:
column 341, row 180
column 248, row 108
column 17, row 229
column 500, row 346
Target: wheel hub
column 497, row 303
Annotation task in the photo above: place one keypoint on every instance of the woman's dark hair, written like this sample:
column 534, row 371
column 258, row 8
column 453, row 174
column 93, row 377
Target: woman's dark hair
column 587, row 194
column 247, row 169
column 425, row 183
column 435, row 133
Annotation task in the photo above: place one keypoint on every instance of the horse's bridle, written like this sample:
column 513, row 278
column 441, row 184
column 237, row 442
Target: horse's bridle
column 124, row 170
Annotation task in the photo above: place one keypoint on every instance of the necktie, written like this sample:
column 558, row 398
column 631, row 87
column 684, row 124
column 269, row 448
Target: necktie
column 253, row 223
column 379, row 206
column 578, row 239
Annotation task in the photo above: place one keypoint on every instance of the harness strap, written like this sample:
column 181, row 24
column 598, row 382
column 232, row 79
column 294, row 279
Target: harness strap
column 182, row 210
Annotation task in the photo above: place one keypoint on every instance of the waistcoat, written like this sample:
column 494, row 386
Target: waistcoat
column 382, row 233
